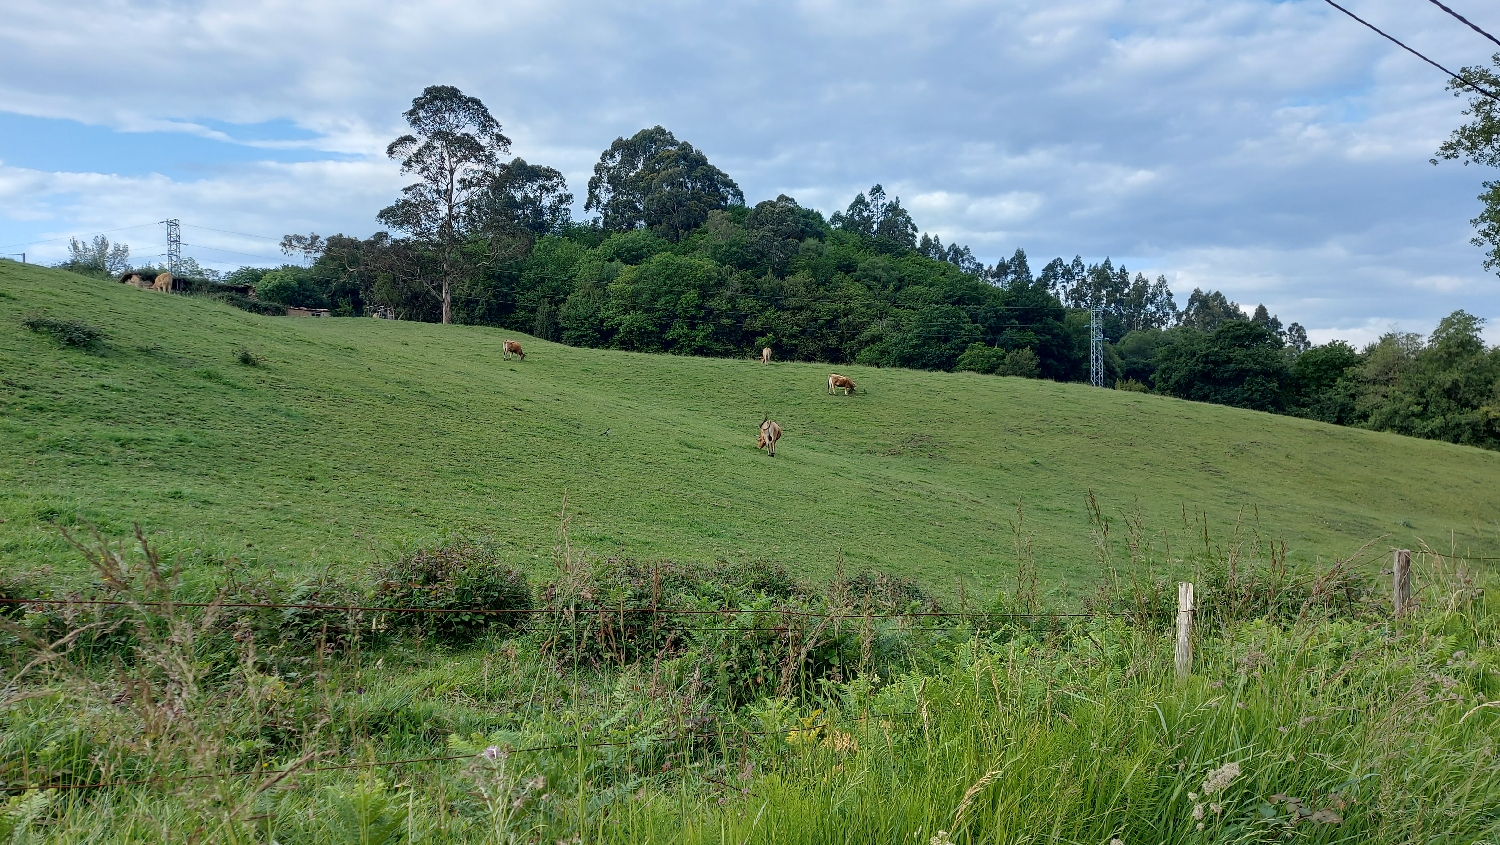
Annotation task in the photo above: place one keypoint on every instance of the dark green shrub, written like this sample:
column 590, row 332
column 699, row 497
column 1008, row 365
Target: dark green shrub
column 335, row 621
column 465, row 588
column 67, row 332
column 254, row 306
column 248, row 358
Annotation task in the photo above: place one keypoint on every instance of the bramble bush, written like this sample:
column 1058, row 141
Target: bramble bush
column 465, row 586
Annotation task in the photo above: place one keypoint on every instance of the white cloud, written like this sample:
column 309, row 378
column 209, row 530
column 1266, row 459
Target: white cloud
column 1275, row 150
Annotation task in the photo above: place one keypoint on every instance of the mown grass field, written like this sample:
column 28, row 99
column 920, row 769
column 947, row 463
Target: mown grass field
column 357, row 435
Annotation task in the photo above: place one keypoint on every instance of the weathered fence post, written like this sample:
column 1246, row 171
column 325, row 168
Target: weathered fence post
column 1184, row 629
column 1401, row 581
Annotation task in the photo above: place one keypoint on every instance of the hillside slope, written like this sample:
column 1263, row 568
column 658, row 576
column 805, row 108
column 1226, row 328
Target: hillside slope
column 358, row 435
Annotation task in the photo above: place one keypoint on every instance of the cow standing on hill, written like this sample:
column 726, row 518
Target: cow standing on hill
column 836, row 380
column 511, row 347
column 770, row 432
column 765, row 355
column 163, row 282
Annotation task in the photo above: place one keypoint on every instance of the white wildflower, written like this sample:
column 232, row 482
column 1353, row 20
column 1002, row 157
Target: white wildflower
column 1216, row 808
column 1197, row 812
column 1219, row 779
column 941, row 838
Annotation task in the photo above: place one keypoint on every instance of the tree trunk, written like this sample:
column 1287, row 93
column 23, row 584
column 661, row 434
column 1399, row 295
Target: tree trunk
column 447, row 302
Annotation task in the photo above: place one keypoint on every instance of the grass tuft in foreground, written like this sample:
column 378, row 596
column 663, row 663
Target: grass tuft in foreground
column 596, row 721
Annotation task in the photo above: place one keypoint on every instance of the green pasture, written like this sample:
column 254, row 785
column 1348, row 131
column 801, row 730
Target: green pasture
column 358, row 436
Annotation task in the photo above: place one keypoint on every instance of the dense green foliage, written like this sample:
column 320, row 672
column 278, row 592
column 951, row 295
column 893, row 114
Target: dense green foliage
column 1445, row 387
column 1478, row 142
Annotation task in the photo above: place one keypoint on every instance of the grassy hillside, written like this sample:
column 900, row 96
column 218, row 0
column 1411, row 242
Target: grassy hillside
column 357, row 435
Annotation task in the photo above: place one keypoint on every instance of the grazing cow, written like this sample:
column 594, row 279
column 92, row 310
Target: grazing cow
column 765, row 355
column 134, row 280
column 163, row 282
column 512, row 347
column 770, row 432
column 836, row 380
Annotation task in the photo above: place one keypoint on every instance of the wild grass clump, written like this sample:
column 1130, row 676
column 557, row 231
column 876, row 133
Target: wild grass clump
column 75, row 333
column 462, row 590
column 245, row 356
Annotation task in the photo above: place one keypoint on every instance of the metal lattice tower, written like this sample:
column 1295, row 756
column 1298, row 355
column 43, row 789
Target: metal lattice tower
column 1096, row 346
column 174, row 245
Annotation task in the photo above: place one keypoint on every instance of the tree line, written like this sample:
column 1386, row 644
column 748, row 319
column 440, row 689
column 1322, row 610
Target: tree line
column 676, row 261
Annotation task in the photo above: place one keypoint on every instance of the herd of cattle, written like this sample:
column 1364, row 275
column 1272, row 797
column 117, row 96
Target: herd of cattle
column 770, row 431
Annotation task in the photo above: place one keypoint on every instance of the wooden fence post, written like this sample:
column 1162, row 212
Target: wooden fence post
column 1184, row 629
column 1401, row 581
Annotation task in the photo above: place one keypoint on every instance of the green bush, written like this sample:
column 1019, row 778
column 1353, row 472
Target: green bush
column 248, row 358
column 67, row 332
column 466, row 588
column 335, row 623
column 254, row 306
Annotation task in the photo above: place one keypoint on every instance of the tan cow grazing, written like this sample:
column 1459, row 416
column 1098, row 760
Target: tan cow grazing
column 765, row 355
column 770, row 432
column 163, row 282
column 512, row 347
column 836, row 380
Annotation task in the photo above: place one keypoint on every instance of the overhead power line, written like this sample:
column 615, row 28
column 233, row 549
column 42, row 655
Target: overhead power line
column 1383, row 34
column 1470, row 23
column 228, row 232
column 86, row 235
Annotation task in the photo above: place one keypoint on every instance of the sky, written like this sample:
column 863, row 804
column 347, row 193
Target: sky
column 1277, row 151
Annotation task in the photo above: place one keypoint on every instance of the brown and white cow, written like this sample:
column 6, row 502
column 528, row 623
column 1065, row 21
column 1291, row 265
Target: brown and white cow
column 163, row 282
column 770, row 432
column 765, row 355
column 836, row 380
column 512, row 347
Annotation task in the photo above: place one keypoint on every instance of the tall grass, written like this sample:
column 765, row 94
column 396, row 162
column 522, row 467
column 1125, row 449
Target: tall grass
column 1334, row 723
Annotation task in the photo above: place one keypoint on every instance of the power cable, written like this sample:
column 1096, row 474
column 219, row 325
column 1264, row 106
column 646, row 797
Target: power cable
column 228, row 232
column 1466, row 83
column 1470, row 23
column 88, row 235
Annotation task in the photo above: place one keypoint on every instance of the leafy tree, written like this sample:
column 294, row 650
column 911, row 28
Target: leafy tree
column 1240, row 363
column 1296, row 339
column 290, row 285
column 1324, row 383
column 959, row 256
column 776, row 230
column 878, row 219
column 1207, row 311
column 1478, row 141
column 97, row 257
column 309, row 246
column 1137, row 352
column 530, row 197
column 1128, row 304
column 1448, row 389
column 652, row 180
column 454, row 151
column 1269, row 320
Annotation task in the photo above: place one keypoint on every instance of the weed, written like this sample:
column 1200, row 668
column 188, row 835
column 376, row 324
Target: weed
column 248, row 358
column 463, row 587
column 76, row 333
